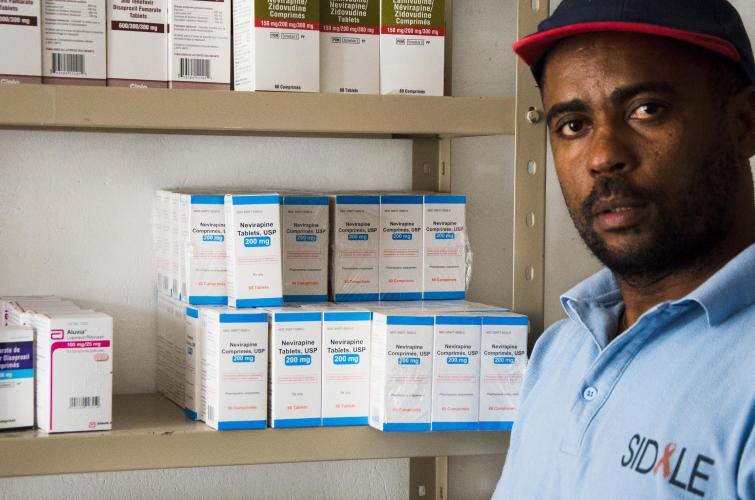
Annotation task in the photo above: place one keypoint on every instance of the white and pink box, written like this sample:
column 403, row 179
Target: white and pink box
column 73, row 42
column 350, row 47
column 16, row 377
column 74, row 363
column 305, row 235
column 276, row 45
column 412, row 47
column 200, row 44
column 137, row 43
column 21, row 39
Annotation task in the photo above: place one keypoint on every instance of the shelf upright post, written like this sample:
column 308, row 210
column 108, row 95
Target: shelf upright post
column 529, row 206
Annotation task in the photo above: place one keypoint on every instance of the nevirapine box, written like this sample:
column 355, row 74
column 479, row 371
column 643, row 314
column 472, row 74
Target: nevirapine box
column 174, row 227
column 401, row 371
column 305, row 223
column 171, row 341
column 200, row 44
column 295, row 368
column 401, row 243
column 73, row 42
column 412, row 47
column 253, row 250
column 502, row 364
column 158, row 236
column 21, row 39
column 445, row 247
column 137, row 43
column 276, row 45
column 236, row 351
column 195, row 361
column 456, row 370
column 355, row 221
column 16, row 377
column 74, row 363
column 345, row 366
column 205, row 258
column 350, row 46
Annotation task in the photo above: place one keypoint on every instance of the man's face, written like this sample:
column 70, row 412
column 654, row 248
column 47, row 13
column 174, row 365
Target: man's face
column 642, row 150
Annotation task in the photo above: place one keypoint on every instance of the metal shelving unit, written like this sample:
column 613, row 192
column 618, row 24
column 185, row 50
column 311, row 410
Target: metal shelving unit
column 149, row 431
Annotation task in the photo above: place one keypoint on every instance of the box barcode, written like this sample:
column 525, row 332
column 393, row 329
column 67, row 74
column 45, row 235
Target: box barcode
column 84, row 402
column 210, row 413
column 67, row 63
column 195, row 68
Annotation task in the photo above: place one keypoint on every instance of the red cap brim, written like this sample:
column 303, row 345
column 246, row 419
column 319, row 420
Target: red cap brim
column 532, row 48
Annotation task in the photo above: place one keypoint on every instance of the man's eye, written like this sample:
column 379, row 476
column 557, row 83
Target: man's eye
column 571, row 128
column 646, row 111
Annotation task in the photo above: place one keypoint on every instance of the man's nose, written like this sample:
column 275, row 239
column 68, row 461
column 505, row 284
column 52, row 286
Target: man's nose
column 610, row 151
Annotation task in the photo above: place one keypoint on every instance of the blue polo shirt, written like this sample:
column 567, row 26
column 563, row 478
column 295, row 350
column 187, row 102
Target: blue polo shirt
column 665, row 410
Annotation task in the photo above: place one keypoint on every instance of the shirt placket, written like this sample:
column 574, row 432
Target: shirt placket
column 605, row 372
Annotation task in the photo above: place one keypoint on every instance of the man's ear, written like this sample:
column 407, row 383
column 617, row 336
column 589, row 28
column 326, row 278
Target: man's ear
column 742, row 111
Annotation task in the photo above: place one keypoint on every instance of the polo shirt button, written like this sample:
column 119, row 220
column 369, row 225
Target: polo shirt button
column 590, row 393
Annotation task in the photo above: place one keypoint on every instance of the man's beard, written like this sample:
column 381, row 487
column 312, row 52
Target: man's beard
column 686, row 229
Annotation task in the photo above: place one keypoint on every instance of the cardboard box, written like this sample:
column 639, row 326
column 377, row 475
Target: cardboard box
column 137, row 43
column 445, row 247
column 21, row 39
column 350, row 47
column 237, row 356
column 412, row 47
column 356, row 242
column 456, row 372
column 305, row 229
column 401, row 244
column 16, row 377
column 276, row 45
column 253, row 250
column 73, row 42
column 74, row 362
column 401, row 371
column 295, row 368
column 200, row 44
column 502, row 363
column 345, row 366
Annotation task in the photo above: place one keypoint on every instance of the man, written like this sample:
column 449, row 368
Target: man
column 647, row 390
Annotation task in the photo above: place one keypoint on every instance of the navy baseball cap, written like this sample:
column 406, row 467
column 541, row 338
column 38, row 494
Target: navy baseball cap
column 714, row 25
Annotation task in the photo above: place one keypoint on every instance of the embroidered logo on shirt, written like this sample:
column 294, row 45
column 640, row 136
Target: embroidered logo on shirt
column 645, row 455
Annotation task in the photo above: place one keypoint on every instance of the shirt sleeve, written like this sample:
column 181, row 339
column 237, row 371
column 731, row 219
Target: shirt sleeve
column 746, row 472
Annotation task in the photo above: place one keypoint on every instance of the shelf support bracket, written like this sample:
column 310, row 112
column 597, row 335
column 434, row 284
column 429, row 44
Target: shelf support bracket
column 529, row 206
column 428, row 478
column 431, row 165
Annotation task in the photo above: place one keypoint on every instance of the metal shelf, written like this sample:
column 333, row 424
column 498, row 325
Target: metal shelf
column 150, row 432
column 207, row 111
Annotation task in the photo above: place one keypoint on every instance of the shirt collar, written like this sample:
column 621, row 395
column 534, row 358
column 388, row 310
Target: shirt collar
column 729, row 290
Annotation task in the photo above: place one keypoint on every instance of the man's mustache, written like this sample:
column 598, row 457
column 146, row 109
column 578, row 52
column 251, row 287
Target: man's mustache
column 610, row 186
